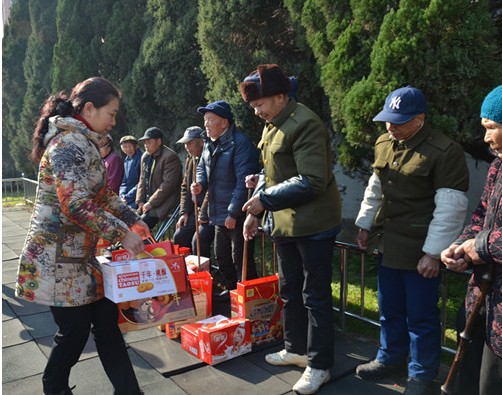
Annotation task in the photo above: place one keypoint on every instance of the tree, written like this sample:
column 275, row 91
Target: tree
column 37, row 67
column 438, row 47
column 13, row 52
column 81, row 27
column 166, row 84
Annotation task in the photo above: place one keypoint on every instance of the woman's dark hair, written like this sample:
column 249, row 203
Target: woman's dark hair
column 96, row 90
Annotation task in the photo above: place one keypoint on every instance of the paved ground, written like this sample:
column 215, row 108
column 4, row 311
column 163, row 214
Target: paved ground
column 161, row 365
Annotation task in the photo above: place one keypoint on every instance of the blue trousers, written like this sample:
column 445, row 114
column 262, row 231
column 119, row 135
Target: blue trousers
column 305, row 273
column 74, row 327
column 409, row 319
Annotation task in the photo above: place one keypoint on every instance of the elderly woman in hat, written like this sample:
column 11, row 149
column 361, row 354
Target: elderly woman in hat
column 480, row 246
column 132, row 167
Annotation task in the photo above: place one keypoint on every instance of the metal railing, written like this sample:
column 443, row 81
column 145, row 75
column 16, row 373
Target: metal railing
column 346, row 249
column 20, row 187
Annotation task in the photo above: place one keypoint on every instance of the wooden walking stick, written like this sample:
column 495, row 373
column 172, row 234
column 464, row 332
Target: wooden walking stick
column 465, row 336
column 196, row 212
column 245, row 252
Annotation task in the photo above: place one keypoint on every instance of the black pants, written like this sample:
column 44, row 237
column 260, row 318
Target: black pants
column 185, row 237
column 305, row 274
column 150, row 220
column 228, row 252
column 74, row 327
column 481, row 370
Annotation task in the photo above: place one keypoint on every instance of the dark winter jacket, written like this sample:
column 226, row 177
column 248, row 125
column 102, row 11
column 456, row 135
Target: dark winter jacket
column 132, row 166
column 222, row 170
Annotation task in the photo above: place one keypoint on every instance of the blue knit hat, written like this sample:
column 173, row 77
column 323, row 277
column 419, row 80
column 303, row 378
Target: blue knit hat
column 492, row 105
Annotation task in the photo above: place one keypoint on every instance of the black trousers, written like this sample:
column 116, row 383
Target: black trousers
column 305, row 274
column 186, row 237
column 74, row 326
column 228, row 252
column 481, row 370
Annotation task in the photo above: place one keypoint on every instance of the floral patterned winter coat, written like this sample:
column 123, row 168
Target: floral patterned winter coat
column 486, row 229
column 73, row 208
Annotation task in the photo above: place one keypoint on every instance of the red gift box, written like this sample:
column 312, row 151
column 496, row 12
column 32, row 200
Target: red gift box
column 259, row 301
column 157, row 250
column 202, row 286
column 217, row 339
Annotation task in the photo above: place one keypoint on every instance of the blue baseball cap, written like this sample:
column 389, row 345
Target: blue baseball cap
column 402, row 105
column 220, row 108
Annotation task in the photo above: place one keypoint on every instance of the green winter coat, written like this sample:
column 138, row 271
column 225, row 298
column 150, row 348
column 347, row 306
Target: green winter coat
column 296, row 143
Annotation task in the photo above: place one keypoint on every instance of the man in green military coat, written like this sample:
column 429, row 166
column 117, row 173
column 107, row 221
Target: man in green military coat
column 415, row 204
column 300, row 194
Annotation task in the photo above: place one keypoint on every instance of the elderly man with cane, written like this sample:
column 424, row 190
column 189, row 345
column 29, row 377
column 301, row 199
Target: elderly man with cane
column 480, row 246
column 298, row 189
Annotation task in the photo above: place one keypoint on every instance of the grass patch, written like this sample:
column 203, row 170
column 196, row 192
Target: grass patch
column 12, row 201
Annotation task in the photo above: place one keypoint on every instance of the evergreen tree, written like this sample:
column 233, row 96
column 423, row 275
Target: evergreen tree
column 341, row 34
column 235, row 36
column 81, row 27
column 166, row 84
column 439, row 47
column 13, row 52
column 37, row 68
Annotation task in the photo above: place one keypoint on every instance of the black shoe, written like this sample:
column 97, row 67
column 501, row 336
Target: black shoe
column 376, row 370
column 420, row 387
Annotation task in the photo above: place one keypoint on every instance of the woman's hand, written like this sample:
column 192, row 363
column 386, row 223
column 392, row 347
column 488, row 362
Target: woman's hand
column 133, row 243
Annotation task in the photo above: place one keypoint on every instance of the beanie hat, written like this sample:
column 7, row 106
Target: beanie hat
column 492, row 105
column 266, row 80
column 220, row 108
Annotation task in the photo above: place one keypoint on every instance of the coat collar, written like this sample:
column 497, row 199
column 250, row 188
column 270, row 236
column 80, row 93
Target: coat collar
column 58, row 124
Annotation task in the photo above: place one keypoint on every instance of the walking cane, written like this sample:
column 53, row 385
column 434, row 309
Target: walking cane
column 465, row 336
column 245, row 252
column 196, row 212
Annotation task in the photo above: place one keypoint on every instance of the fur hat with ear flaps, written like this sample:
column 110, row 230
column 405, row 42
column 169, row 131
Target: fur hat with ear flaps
column 266, row 80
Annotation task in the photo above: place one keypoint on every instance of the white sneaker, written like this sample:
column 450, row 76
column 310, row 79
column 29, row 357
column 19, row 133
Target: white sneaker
column 286, row 358
column 311, row 381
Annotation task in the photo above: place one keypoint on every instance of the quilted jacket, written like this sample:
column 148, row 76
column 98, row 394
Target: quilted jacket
column 73, row 208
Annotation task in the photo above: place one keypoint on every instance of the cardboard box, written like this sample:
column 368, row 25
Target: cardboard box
column 148, row 312
column 217, row 339
column 193, row 266
column 202, row 288
column 142, row 278
column 258, row 300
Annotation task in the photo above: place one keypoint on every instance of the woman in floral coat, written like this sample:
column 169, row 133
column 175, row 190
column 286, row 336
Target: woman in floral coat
column 73, row 208
column 480, row 245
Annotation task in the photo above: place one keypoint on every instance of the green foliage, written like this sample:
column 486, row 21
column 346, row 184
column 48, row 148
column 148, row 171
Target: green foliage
column 166, row 85
column 13, row 85
column 37, row 68
column 169, row 57
column 438, row 47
